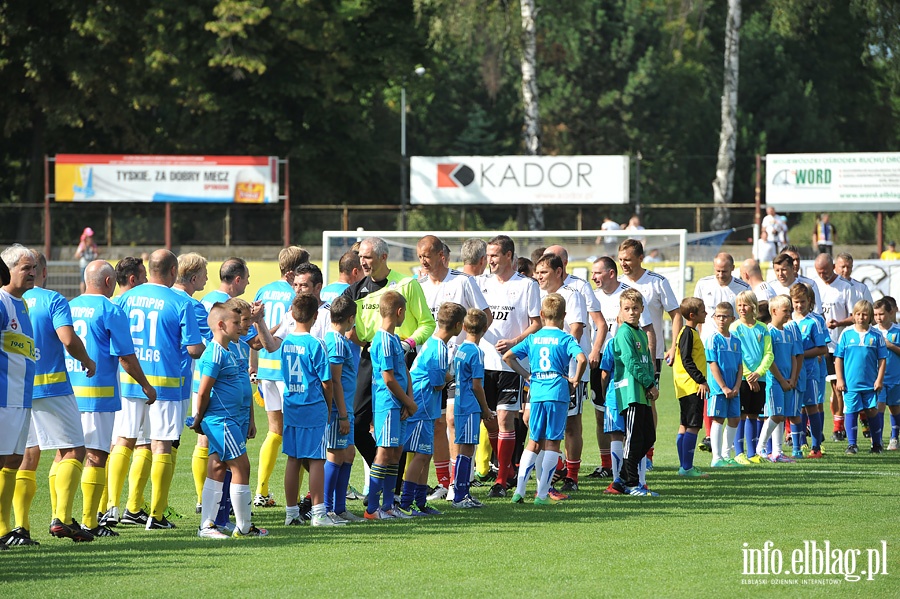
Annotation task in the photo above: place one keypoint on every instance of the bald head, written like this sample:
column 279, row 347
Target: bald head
column 750, row 270
column 162, row 268
column 100, row 278
column 824, row 261
column 824, row 266
column 430, row 243
column 559, row 251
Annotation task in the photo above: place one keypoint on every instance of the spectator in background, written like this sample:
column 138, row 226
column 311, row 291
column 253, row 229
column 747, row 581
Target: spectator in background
column 891, row 252
column 654, row 256
column 775, row 227
column 86, row 252
column 824, row 235
column 610, row 243
column 634, row 224
column 764, row 249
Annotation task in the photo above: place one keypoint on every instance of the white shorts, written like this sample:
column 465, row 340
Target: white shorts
column 166, row 420
column 576, row 398
column 161, row 421
column 98, row 429
column 131, row 421
column 273, row 394
column 55, row 423
column 14, row 425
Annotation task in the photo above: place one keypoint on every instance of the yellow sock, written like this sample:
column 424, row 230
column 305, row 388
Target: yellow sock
column 117, row 471
column 104, row 495
column 268, row 455
column 68, row 480
column 26, row 488
column 174, row 454
column 51, row 480
column 199, row 463
column 483, row 453
column 7, row 491
column 161, row 472
column 93, row 481
column 137, row 479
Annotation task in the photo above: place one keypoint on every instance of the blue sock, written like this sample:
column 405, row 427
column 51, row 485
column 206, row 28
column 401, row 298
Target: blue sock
column 689, row 444
column 759, row 426
column 422, row 496
column 407, row 494
column 877, row 428
column 462, row 475
column 739, row 437
column 376, row 483
column 796, row 437
column 895, row 427
column 750, row 437
column 331, row 476
column 679, row 444
column 340, row 489
column 225, row 505
column 390, row 482
column 816, row 422
column 850, row 426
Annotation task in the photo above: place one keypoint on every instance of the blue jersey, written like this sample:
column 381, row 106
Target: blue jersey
column 17, row 354
column 812, row 335
column 226, row 395
column 304, row 366
column 329, row 292
column 241, row 353
column 785, row 345
column 162, row 322
column 429, row 375
column 727, row 354
column 823, row 365
column 276, row 298
column 861, row 353
column 468, row 364
column 386, row 354
column 340, row 354
column 892, row 368
column 608, row 363
column 103, row 328
column 49, row 311
column 214, row 297
column 756, row 346
column 549, row 352
column 187, row 362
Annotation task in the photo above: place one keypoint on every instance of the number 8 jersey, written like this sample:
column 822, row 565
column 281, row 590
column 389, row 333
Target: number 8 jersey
column 162, row 322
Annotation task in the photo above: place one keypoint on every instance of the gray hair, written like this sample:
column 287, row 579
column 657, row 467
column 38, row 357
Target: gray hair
column 473, row 251
column 14, row 253
column 378, row 245
column 845, row 257
column 95, row 277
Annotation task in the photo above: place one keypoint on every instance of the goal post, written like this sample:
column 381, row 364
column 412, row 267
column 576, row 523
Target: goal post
column 670, row 246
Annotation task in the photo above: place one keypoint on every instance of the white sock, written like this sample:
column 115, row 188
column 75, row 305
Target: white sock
column 617, row 453
column 730, row 434
column 715, row 440
column 318, row 509
column 642, row 471
column 550, row 459
column 211, row 497
column 778, row 439
column 366, row 472
column 526, row 462
column 768, row 427
column 539, row 465
column 292, row 511
column 240, row 502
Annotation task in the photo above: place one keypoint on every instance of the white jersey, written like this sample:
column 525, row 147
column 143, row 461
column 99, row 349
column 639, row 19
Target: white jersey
column 780, row 289
column 712, row 293
column 764, row 292
column 860, row 291
column 457, row 287
column 323, row 322
column 609, row 305
column 576, row 313
column 658, row 299
column 837, row 304
column 513, row 303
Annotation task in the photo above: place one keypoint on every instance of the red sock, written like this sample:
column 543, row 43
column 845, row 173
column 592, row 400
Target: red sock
column 605, row 459
column 650, row 454
column 560, row 464
column 707, row 423
column 838, row 424
column 492, row 438
column 572, row 469
column 442, row 469
column 506, row 446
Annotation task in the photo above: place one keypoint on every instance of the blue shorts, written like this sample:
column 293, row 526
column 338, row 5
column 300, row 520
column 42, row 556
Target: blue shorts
column 333, row 437
column 304, row 442
column 890, row 395
column 468, row 429
column 548, row 420
column 718, row 406
column 390, row 431
column 226, row 437
column 811, row 392
column 613, row 421
column 776, row 399
column 857, row 401
column 420, row 437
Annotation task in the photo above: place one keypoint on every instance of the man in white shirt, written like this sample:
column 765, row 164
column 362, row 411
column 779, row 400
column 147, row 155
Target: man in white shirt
column 752, row 275
column 786, row 276
column 843, row 266
column 717, row 288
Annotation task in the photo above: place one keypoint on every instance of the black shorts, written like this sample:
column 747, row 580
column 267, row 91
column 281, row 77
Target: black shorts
column 503, row 390
column 829, row 362
column 691, row 411
column 753, row 402
column 444, row 394
column 658, row 372
column 598, row 394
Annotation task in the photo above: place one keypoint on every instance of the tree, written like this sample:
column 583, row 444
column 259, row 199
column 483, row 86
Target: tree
column 723, row 185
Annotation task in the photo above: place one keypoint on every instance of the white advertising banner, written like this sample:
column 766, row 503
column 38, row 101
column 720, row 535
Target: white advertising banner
column 860, row 182
column 139, row 178
column 454, row 180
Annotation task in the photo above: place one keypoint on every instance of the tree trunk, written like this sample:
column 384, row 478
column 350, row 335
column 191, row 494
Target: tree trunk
column 723, row 185
column 532, row 129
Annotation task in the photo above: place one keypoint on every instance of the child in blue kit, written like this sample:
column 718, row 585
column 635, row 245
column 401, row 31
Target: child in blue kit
column 429, row 373
column 859, row 363
column 549, row 352
column 814, row 340
column 886, row 319
column 392, row 404
column 307, row 405
column 724, row 362
column 470, row 407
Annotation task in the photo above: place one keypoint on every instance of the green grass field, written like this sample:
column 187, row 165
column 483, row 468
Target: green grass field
column 686, row 543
